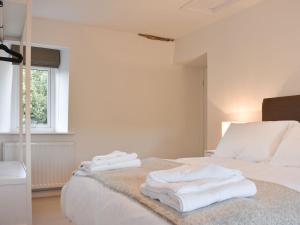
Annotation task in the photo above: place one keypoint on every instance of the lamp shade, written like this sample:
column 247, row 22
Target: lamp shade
column 225, row 126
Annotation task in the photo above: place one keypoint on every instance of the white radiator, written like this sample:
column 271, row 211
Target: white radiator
column 52, row 163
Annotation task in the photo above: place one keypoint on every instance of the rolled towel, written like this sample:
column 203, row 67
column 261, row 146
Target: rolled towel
column 114, row 160
column 192, row 201
column 188, row 173
column 85, row 165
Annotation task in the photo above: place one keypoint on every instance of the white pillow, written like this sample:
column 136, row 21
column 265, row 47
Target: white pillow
column 288, row 152
column 254, row 142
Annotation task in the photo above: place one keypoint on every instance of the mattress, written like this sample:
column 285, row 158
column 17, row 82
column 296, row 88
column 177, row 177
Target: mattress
column 85, row 201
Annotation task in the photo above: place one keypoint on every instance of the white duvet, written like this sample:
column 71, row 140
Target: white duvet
column 86, row 202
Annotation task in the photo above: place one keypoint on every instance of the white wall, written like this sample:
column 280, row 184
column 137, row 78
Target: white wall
column 6, row 79
column 251, row 56
column 62, row 93
column 126, row 93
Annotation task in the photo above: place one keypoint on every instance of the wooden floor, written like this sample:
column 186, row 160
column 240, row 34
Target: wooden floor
column 46, row 211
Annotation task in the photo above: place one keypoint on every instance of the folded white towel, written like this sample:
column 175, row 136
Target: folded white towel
column 90, row 167
column 187, row 188
column 190, row 173
column 191, row 186
column 112, row 155
column 191, row 201
column 114, row 160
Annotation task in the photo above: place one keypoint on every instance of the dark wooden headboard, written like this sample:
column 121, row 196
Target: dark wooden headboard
column 281, row 108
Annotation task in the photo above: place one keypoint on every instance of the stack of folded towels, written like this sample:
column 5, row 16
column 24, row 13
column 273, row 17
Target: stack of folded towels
column 112, row 161
column 187, row 188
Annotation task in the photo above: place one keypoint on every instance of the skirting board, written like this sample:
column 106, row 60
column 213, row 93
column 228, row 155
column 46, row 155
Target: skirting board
column 46, row 193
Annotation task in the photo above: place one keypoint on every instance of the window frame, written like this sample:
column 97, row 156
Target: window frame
column 38, row 128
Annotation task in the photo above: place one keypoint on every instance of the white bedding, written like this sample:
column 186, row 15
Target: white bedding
column 86, row 202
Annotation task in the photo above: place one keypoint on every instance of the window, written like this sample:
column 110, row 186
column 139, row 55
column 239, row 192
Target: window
column 49, row 93
column 42, row 98
column 41, row 83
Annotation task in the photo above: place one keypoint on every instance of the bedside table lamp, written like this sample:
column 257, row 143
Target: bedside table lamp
column 225, row 126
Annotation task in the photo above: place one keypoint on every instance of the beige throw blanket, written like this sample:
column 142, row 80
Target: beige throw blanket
column 272, row 205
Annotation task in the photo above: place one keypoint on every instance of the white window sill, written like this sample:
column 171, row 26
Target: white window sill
column 39, row 133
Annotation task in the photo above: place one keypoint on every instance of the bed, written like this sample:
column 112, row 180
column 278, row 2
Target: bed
column 85, row 201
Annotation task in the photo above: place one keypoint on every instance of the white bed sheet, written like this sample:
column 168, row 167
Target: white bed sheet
column 87, row 202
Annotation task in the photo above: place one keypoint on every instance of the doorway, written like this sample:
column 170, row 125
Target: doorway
column 198, row 67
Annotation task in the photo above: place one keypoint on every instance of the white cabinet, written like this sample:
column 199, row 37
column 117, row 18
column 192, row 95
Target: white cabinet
column 12, row 193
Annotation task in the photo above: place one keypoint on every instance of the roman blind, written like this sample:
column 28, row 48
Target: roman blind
column 42, row 57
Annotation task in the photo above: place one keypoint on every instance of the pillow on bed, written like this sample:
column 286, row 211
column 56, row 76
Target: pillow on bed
column 254, row 142
column 288, row 152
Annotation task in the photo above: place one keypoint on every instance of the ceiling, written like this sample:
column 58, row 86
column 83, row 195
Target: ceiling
column 14, row 15
column 167, row 18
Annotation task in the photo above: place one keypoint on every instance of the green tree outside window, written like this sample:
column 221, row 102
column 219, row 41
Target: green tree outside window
column 39, row 96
